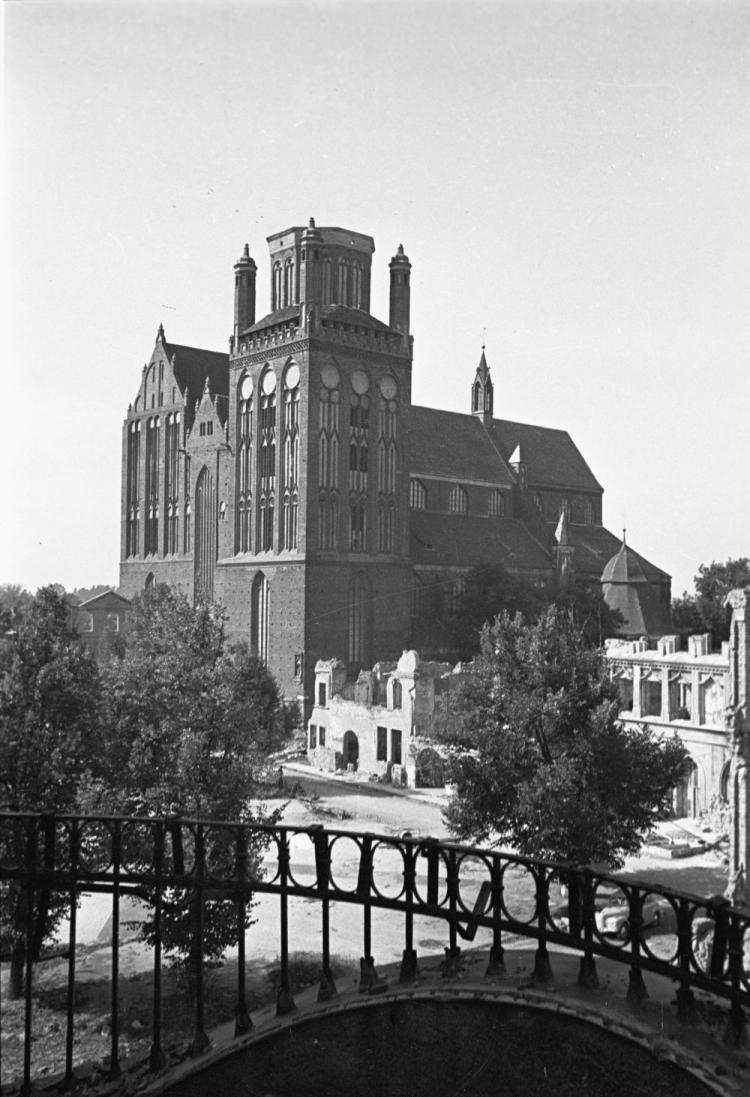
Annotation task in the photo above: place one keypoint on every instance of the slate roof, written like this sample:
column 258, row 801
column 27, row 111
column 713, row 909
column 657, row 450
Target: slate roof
column 192, row 366
column 342, row 313
column 551, row 456
column 453, row 445
column 106, row 596
column 596, row 546
column 271, row 318
column 461, row 540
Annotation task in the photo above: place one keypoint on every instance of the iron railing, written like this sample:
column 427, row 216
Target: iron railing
column 704, row 944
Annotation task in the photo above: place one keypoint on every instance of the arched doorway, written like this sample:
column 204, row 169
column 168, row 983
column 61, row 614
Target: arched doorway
column 688, row 794
column 351, row 750
column 205, row 536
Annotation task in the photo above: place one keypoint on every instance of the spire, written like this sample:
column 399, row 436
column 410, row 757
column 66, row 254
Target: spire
column 482, row 392
column 562, row 533
column 160, row 334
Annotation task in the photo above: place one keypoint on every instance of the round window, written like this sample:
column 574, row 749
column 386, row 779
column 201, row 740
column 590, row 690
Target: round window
column 387, row 387
column 246, row 388
column 269, row 382
column 329, row 375
column 291, row 377
column 360, row 382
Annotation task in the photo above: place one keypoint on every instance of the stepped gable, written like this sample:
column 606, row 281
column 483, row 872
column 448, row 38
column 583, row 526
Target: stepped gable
column 625, row 587
column 192, row 366
column 447, row 540
column 551, row 456
column 450, row 445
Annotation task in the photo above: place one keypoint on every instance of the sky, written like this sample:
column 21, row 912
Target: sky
column 569, row 181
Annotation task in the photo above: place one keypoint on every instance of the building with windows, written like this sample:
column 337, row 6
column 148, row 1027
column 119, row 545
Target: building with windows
column 294, row 480
column 100, row 620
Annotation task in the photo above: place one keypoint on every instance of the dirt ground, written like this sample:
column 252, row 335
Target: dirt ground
column 344, row 804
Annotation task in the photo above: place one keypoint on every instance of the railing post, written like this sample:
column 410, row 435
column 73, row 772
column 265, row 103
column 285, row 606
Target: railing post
column 735, row 1033
column 200, row 1039
column 542, row 967
column 69, row 1080
column 637, row 991
column 496, row 964
column 369, row 980
column 242, row 1022
column 583, row 881
column 451, row 965
column 409, row 967
column 157, row 1059
column 284, row 999
column 327, row 987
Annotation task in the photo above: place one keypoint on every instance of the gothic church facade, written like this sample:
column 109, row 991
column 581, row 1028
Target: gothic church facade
column 294, row 481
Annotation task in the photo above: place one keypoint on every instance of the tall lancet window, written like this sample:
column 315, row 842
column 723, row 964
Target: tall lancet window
column 151, row 538
column 133, row 489
column 326, row 281
column 359, row 433
column 342, row 289
column 276, row 295
column 387, row 419
column 259, row 614
column 360, row 609
column 267, row 460
column 356, row 286
column 245, row 464
column 205, row 535
column 172, row 482
column 290, row 460
column 289, row 294
column 328, row 457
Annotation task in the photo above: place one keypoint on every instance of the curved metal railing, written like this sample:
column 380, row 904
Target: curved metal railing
column 701, row 943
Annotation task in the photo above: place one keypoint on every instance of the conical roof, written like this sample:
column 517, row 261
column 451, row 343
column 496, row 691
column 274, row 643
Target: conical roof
column 626, row 588
column 624, row 567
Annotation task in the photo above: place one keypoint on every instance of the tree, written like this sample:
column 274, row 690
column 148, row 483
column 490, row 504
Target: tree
column 489, row 590
column 15, row 603
column 590, row 611
column 188, row 723
column 538, row 757
column 49, row 714
column 705, row 611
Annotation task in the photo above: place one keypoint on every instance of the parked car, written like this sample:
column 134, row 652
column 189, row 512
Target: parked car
column 613, row 920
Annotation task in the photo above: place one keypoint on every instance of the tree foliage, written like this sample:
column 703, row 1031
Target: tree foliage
column 537, row 755
column 704, row 610
column 49, row 716
column 188, row 723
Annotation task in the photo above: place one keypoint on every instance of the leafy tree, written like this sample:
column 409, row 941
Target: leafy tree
column 489, row 590
column 590, row 611
column 188, row 724
column 15, row 603
column 537, row 755
column 704, row 611
column 49, row 714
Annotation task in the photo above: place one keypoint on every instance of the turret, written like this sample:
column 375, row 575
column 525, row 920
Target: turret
column 518, row 465
column 400, row 269
column 564, row 554
column 245, row 271
column 482, row 392
column 310, row 266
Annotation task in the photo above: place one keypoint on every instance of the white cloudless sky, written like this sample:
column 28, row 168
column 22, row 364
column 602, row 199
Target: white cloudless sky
column 571, row 177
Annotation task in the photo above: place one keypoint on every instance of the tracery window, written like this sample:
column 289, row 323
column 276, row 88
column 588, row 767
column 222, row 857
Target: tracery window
column 267, row 460
column 387, row 420
column 496, row 504
column 328, row 457
column 417, row 495
column 151, row 538
column 290, row 461
column 132, row 490
column 458, row 500
column 245, row 464
column 259, row 616
column 359, row 421
column 172, row 482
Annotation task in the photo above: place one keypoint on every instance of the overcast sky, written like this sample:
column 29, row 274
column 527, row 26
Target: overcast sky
column 571, row 177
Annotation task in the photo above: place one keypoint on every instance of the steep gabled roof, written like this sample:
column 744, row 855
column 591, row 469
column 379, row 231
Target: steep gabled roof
column 461, row 540
column 595, row 546
column 106, row 596
column 192, row 366
column 551, row 456
column 452, row 446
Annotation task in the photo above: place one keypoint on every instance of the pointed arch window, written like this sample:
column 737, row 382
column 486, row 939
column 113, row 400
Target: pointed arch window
column 326, row 281
column 172, row 482
column 267, row 460
column 417, row 495
column 342, row 289
column 277, row 287
column 356, row 286
column 588, row 512
column 205, row 535
column 151, row 538
column 133, row 489
column 458, row 500
column 289, row 288
column 290, row 460
column 496, row 504
column 328, row 456
column 359, row 619
column 259, row 616
column 245, row 464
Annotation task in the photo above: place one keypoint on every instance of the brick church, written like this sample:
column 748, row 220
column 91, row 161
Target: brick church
column 294, row 481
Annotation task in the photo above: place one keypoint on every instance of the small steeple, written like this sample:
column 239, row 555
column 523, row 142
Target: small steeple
column 482, row 393
column 160, row 334
column 400, row 300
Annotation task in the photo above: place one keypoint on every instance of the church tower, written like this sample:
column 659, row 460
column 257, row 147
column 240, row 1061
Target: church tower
column 313, row 553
